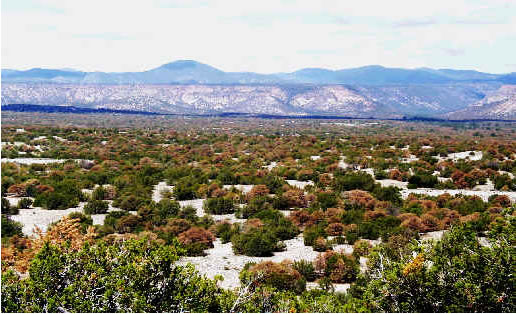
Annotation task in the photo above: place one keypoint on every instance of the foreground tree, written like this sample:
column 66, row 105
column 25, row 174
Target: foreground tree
column 126, row 276
column 456, row 274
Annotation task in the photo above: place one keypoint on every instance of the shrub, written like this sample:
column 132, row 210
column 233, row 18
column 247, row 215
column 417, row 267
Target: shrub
column 295, row 198
column 338, row 267
column 130, row 202
column 127, row 224
column 354, row 181
column 168, row 208
column 255, row 242
column 112, row 217
column 255, row 206
column 335, row 229
column 352, row 237
column 361, row 248
column 326, row 200
column 258, row 190
column 99, row 193
column 175, row 226
column 357, row 199
column 84, row 220
column 24, row 203
column 126, row 276
column 10, row 227
column 423, row 181
column 320, row 245
column 306, row 269
column 302, row 218
column 96, row 207
column 219, row 206
column 196, row 240
column 313, row 233
column 282, row 276
column 189, row 213
column 197, row 235
column 225, row 230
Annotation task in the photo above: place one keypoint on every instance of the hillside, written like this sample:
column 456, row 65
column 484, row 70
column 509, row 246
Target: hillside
column 188, row 86
column 498, row 104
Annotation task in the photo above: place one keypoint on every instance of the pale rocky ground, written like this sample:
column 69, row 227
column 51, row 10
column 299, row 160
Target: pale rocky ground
column 222, row 260
column 271, row 166
column 160, row 187
column 476, row 155
column 42, row 218
column 299, row 184
column 245, row 188
column 31, row 161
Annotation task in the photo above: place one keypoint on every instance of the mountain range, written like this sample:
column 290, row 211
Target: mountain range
column 188, row 86
column 192, row 72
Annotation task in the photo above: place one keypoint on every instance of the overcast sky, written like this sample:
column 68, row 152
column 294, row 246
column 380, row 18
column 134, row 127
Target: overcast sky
column 259, row 36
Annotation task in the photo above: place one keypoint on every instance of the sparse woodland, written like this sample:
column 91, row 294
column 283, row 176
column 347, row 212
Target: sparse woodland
column 375, row 188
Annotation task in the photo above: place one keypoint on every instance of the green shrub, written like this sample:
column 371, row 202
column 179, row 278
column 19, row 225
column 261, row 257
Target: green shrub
column 126, row 276
column 423, row 181
column 255, row 242
column 10, row 227
column 361, row 248
column 312, row 233
column 354, row 181
column 7, row 209
column 24, row 203
column 99, row 194
column 168, row 208
column 306, row 269
column 219, row 206
column 112, row 217
column 96, row 207
column 225, row 231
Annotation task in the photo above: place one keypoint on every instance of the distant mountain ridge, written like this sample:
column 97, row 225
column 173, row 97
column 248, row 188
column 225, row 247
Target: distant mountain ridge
column 193, row 72
column 190, row 87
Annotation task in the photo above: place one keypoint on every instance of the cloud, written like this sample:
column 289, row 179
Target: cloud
column 262, row 36
column 415, row 23
column 454, row 51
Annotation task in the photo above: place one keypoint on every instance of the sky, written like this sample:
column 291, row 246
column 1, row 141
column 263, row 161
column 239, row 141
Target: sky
column 259, row 36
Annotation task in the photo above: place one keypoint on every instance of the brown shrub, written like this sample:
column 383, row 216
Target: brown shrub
column 295, row 198
column 258, row 190
column 197, row 235
column 175, row 226
column 443, row 199
column 333, row 215
column 414, row 223
column 374, row 214
column 325, row 179
column 66, row 234
column 18, row 189
column 127, row 224
column 360, row 198
column 282, row 275
column 502, row 201
column 253, row 223
column 430, row 223
column 335, row 229
column 110, row 192
column 495, row 210
column 302, row 218
column 338, row 267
